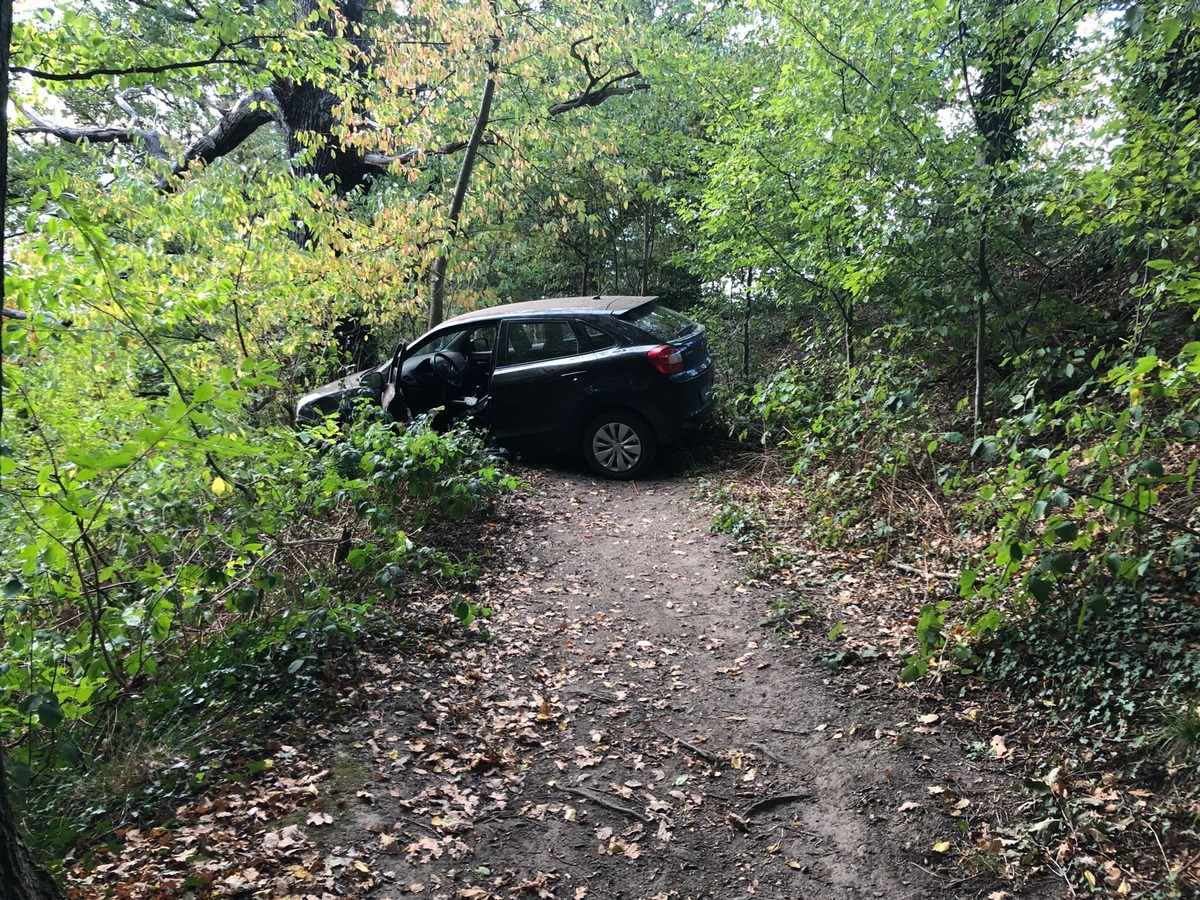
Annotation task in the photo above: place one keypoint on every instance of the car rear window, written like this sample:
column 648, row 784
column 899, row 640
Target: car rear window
column 661, row 322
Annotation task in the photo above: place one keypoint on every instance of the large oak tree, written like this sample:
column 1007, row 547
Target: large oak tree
column 356, row 96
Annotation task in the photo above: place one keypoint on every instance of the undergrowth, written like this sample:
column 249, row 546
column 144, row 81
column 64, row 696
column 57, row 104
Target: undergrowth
column 1070, row 528
column 123, row 659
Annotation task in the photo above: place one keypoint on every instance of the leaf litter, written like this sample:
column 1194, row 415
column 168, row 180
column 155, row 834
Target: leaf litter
column 620, row 726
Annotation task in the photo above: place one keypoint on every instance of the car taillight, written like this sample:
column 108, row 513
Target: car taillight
column 667, row 359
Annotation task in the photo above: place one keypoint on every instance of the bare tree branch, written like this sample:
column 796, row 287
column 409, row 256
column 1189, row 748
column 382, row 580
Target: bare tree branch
column 141, row 138
column 88, row 74
column 249, row 114
column 122, row 102
column 382, row 162
column 593, row 95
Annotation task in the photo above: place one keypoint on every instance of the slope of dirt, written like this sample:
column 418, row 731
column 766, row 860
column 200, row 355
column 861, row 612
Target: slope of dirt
column 624, row 725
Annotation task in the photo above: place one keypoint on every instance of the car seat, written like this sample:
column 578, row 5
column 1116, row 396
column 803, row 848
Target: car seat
column 519, row 345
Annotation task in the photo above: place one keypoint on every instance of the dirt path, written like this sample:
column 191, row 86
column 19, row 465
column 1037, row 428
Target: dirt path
column 632, row 730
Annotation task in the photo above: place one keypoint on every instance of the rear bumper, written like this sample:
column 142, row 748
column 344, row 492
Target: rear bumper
column 693, row 404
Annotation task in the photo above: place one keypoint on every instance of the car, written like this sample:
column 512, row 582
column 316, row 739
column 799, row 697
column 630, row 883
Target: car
column 609, row 377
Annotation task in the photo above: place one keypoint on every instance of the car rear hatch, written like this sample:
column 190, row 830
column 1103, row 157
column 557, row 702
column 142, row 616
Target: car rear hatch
column 674, row 328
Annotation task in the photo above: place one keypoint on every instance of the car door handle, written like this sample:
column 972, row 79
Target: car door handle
column 576, row 375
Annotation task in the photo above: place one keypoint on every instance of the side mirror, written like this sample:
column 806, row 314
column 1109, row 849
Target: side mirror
column 374, row 381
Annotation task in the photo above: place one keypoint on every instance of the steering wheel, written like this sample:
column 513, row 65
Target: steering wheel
column 449, row 369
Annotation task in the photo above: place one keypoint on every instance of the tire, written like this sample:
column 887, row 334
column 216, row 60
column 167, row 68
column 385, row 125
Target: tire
column 619, row 444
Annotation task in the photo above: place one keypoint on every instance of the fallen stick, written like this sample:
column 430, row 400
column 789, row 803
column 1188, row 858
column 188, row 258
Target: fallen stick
column 601, row 800
column 698, row 751
column 594, row 695
column 766, row 751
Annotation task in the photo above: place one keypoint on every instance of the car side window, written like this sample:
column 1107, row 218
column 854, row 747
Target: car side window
column 526, row 342
column 482, row 339
column 592, row 338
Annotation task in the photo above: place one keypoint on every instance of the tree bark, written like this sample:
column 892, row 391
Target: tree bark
column 141, row 138
column 251, row 112
column 746, row 331
column 309, row 111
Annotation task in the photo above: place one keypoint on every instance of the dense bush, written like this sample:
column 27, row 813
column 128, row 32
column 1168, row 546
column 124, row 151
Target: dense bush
column 166, row 531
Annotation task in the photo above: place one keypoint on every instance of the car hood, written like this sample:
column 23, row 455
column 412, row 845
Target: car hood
column 329, row 398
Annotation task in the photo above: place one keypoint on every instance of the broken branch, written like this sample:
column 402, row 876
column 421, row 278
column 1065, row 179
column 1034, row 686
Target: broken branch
column 601, row 800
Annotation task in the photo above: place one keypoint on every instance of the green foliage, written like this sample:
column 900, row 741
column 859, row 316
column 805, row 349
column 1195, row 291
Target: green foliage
column 742, row 523
column 1116, row 676
column 1180, row 732
column 842, row 181
column 1083, row 507
column 164, row 531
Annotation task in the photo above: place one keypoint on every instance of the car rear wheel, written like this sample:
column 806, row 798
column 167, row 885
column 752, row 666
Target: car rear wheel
column 619, row 444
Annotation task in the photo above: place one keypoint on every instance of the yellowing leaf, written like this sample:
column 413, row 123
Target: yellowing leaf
column 219, row 485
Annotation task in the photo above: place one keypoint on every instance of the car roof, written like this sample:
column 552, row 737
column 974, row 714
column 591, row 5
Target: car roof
column 613, row 304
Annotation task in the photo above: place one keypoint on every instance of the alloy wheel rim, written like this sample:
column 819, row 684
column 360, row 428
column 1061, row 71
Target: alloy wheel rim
column 617, row 447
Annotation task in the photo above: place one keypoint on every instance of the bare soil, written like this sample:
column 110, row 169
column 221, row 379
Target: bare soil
column 626, row 723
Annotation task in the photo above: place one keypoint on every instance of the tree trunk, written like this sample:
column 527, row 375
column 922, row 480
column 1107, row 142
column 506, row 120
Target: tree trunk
column 981, row 299
column 308, row 111
column 647, row 249
column 437, row 278
column 746, row 331
column 848, row 334
column 308, row 114
column 21, row 878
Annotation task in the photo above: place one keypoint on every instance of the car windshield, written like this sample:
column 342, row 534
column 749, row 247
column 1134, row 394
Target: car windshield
column 662, row 322
column 442, row 341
